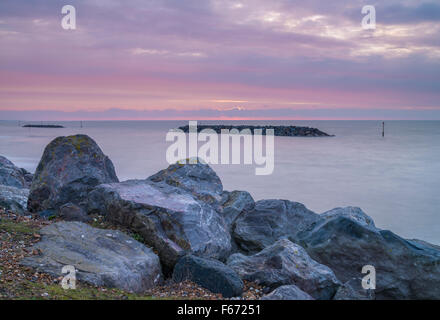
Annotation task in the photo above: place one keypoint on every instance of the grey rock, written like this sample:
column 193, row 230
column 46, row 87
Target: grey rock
column 287, row 292
column 269, row 221
column 101, row 257
column 352, row 290
column 404, row 269
column 198, row 179
column 28, row 177
column 286, row 263
column 13, row 199
column 68, row 170
column 353, row 213
column 71, row 212
column 210, row 274
column 170, row 219
column 233, row 203
column 12, row 176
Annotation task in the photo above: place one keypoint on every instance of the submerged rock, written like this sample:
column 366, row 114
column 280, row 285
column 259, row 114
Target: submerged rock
column 170, row 219
column 269, row 221
column 12, row 176
column 210, row 274
column 13, row 199
column 404, row 269
column 68, row 170
column 101, row 257
column 285, row 263
column 287, row 292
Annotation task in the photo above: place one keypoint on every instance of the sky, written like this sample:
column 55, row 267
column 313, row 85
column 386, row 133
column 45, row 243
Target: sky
column 219, row 59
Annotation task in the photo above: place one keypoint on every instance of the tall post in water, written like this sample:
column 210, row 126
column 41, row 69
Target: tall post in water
column 383, row 128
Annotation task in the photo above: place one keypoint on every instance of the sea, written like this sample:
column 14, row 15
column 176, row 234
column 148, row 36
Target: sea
column 395, row 179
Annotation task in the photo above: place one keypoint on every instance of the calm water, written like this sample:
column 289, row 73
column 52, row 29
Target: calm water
column 395, row 179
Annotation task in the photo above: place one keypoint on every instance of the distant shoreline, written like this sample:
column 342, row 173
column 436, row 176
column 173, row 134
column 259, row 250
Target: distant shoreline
column 42, row 126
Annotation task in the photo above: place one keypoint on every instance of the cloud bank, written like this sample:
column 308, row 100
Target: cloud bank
column 280, row 58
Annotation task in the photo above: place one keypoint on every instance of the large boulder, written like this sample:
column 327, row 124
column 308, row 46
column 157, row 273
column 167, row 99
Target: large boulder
column 210, row 274
column 13, row 199
column 12, row 176
column 170, row 219
column 68, row 170
column 287, row 292
column 286, row 263
column 353, row 213
column 233, row 203
column 269, row 221
column 404, row 269
column 101, row 257
column 199, row 179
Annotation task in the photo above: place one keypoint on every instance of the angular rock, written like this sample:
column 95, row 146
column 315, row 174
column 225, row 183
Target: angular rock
column 170, row 219
column 287, row 292
column 233, row 203
column 198, row 179
column 353, row 213
column 101, row 257
column 71, row 212
column 269, row 221
column 404, row 269
column 352, row 290
column 13, row 199
column 210, row 274
column 285, row 263
column 12, row 176
column 68, row 170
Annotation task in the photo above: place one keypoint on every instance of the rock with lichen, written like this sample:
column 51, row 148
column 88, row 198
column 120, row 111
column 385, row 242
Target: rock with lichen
column 68, row 170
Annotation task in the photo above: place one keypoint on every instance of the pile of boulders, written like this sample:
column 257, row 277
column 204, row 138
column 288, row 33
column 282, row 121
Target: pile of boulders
column 283, row 131
column 192, row 229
